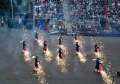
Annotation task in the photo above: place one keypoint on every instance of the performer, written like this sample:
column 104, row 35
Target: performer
column 25, row 48
column 76, row 37
column 60, row 53
column 37, row 63
column 45, row 44
column 37, row 36
column 97, row 49
column 60, row 41
column 77, row 44
column 78, row 48
column 97, row 65
column 45, row 48
column 96, row 45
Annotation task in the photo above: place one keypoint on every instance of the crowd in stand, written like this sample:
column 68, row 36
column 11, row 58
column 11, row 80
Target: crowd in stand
column 50, row 9
column 86, row 27
column 44, row 7
column 93, row 10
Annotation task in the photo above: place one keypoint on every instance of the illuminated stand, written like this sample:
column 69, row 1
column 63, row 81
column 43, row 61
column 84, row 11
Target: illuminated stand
column 118, row 76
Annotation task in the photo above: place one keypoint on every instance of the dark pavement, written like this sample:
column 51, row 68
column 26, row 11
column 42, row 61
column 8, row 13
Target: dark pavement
column 70, row 70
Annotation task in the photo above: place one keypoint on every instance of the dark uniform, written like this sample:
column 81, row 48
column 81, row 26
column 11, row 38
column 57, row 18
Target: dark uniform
column 45, row 43
column 45, row 46
column 78, row 48
column 96, row 45
column 97, row 63
column 36, row 62
column 36, row 35
column 60, row 40
column 60, row 53
column 24, row 45
column 77, row 44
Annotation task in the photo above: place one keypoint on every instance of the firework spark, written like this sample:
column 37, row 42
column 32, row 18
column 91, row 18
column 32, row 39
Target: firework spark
column 41, row 75
column 77, row 41
column 40, row 42
column 64, row 48
column 63, row 64
column 98, row 55
column 106, row 77
column 27, row 55
column 82, row 58
column 48, row 56
column 80, row 55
